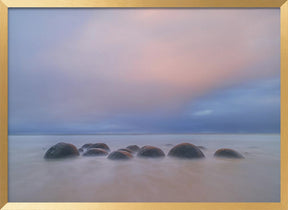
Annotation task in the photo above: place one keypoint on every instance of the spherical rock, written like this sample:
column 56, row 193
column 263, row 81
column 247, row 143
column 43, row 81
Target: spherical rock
column 101, row 146
column 85, row 146
column 126, row 150
column 228, row 153
column 119, row 155
column 61, row 150
column 150, row 152
column 95, row 152
column 133, row 148
column 81, row 150
column 186, row 150
column 202, row 147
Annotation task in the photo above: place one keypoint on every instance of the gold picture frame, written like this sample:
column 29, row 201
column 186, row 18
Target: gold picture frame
column 4, row 7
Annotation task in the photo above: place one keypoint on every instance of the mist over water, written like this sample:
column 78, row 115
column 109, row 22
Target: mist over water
column 97, row 179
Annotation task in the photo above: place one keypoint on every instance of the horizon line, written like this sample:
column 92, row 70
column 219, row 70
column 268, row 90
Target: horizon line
column 94, row 134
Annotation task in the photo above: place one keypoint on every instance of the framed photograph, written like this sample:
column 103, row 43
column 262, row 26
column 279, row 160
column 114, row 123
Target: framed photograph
column 143, row 105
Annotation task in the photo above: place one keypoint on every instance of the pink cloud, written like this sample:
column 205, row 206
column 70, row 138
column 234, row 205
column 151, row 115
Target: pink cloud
column 148, row 60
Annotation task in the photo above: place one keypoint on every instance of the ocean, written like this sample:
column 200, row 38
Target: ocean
column 98, row 179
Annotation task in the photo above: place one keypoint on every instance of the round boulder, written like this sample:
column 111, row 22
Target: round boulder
column 186, row 150
column 202, row 147
column 61, row 150
column 85, row 146
column 81, row 150
column 95, row 152
column 126, row 150
column 100, row 145
column 133, row 148
column 119, row 155
column 150, row 152
column 228, row 153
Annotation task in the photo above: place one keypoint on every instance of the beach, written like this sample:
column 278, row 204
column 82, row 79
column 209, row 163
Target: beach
column 98, row 179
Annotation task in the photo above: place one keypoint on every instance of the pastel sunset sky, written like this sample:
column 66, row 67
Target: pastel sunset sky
column 89, row 71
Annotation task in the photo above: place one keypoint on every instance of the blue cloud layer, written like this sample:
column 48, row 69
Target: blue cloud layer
column 252, row 107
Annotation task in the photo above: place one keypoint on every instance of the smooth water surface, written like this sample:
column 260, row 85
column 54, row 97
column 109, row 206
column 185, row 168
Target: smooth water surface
column 97, row 179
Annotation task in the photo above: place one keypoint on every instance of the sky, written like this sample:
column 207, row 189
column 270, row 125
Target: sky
column 92, row 71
